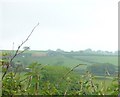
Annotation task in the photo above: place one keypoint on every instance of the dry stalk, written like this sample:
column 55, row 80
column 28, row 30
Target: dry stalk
column 17, row 51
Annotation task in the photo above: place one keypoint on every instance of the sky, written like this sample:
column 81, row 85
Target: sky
column 65, row 24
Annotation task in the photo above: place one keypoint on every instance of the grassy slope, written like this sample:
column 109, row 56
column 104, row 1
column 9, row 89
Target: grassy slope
column 68, row 61
column 99, row 59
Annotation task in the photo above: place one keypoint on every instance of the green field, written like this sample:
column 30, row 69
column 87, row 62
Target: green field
column 59, row 73
column 65, row 59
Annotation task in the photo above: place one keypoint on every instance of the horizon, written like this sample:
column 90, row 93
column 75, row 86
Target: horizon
column 61, row 50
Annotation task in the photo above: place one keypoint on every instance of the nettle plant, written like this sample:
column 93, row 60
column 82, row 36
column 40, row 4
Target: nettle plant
column 30, row 82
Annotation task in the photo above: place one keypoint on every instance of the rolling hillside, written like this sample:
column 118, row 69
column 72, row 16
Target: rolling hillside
column 66, row 59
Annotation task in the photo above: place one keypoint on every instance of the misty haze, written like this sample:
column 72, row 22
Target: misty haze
column 59, row 47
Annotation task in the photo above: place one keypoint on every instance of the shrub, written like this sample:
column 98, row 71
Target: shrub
column 102, row 69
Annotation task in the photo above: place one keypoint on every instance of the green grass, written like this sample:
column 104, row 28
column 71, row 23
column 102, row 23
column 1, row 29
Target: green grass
column 99, row 59
column 67, row 61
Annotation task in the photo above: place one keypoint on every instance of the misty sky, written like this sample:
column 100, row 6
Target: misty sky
column 65, row 24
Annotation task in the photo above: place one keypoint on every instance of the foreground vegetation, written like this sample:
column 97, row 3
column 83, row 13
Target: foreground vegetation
column 38, row 79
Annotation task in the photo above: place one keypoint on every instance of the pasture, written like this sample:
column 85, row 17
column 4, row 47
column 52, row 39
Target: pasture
column 61, row 73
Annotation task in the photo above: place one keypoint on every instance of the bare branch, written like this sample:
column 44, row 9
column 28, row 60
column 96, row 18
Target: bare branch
column 28, row 36
column 17, row 52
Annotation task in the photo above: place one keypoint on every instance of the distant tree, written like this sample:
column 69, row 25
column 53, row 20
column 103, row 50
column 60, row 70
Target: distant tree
column 26, row 48
column 88, row 50
column 59, row 50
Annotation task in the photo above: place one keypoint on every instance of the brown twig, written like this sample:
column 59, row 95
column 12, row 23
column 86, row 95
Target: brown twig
column 17, row 51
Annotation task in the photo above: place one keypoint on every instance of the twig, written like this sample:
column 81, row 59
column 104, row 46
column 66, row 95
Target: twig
column 17, row 52
column 69, row 72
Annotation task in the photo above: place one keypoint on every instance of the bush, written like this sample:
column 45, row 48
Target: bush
column 102, row 69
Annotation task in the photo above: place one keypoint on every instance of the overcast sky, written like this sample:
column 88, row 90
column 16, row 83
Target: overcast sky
column 65, row 24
